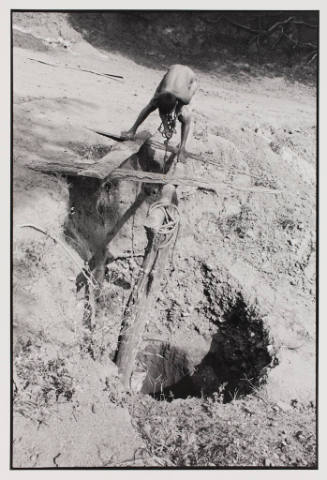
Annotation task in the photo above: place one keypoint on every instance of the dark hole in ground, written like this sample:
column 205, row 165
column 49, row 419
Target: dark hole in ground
column 238, row 361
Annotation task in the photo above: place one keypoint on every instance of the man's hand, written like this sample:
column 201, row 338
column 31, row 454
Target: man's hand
column 128, row 135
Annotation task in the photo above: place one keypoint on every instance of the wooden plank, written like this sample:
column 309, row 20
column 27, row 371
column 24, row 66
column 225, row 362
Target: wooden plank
column 171, row 149
column 63, row 168
column 100, row 169
column 114, row 159
column 118, row 155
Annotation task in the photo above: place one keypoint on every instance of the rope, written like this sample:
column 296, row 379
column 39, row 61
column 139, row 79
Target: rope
column 165, row 157
column 170, row 225
column 168, row 128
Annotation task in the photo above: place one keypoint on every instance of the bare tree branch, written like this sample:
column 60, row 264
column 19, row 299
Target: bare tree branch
column 243, row 27
column 309, row 25
column 59, row 242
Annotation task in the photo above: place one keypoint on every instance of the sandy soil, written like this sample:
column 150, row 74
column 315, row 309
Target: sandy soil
column 261, row 246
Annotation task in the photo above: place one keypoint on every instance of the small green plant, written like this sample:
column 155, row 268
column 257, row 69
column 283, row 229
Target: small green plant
column 42, row 382
column 205, row 432
column 29, row 257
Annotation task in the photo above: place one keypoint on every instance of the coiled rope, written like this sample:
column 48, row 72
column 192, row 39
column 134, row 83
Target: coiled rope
column 168, row 129
column 170, row 226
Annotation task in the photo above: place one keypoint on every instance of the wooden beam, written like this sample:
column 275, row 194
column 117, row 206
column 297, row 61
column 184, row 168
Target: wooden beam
column 151, row 177
column 146, row 290
column 144, row 177
column 117, row 157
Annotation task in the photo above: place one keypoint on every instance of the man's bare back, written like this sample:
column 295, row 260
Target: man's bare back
column 171, row 97
column 179, row 81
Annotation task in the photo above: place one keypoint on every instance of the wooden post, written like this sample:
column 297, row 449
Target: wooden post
column 145, row 292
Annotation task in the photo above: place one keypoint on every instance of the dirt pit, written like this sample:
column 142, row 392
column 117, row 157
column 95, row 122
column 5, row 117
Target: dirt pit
column 239, row 358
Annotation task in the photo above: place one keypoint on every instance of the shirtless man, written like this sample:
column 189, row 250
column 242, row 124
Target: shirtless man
column 171, row 97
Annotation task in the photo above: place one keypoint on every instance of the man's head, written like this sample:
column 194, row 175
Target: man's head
column 166, row 103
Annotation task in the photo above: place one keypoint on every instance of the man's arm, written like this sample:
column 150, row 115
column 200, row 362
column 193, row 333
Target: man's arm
column 185, row 117
column 145, row 112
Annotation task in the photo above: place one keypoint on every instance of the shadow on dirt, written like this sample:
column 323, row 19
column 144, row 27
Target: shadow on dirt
column 137, row 36
column 211, row 42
